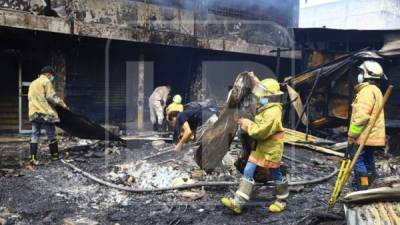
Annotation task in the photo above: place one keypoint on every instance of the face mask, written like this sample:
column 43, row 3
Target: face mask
column 360, row 78
column 51, row 78
column 264, row 101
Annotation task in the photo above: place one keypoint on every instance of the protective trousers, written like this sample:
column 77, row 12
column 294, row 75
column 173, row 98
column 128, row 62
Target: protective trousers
column 48, row 127
column 156, row 112
column 366, row 162
column 364, row 169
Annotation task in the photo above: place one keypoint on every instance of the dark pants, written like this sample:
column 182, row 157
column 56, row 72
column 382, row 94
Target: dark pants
column 366, row 162
column 48, row 127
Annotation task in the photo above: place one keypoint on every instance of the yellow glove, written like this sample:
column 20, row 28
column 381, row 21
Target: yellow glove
column 245, row 124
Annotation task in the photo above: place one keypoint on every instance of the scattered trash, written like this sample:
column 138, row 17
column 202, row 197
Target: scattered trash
column 194, row 194
column 130, row 180
column 158, row 144
column 296, row 189
column 149, row 175
column 79, row 221
column 179, row 181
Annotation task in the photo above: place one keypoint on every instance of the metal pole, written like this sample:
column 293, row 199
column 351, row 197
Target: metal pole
column 20, row 94
column 140, row 93
column 308, row 99
column 278, row 64
column 107, row 95
column 350, row 79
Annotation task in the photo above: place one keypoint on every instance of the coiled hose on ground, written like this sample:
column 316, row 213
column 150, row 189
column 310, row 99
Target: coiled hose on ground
column 188, row 186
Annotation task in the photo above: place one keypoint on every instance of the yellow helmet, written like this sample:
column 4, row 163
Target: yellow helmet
column 177, row 99
column 267, row 87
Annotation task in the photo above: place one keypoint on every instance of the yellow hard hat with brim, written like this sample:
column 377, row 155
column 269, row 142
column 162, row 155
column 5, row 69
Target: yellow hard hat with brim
column 267, row 87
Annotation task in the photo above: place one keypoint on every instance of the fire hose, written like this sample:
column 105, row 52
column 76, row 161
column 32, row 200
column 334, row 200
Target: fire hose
column 188, row 186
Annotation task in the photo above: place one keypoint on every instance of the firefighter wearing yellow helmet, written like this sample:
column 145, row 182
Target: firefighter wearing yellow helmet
column 364, row 107
column 176, row 105
column 267, row 130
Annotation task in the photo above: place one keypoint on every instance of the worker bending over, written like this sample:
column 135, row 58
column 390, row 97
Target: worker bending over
column 365, row 105
column 42, row 99
column 193, row 121
column 267, row 130
column 157, row 101
column 177, row 106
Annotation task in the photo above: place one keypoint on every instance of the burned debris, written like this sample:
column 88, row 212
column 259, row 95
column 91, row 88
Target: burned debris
column 191, row 112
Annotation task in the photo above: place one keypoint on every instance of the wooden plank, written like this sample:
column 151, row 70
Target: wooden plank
column 138, row 138
column 317, row 148
column 13, row 139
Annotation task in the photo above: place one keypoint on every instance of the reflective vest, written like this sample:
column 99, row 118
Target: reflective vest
column 268, row 131
column 41, row 95
column 365, row 105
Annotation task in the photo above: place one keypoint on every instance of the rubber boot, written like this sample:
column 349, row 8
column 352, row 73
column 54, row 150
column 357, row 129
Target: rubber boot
column 53, row 146
column 242, row 195
column 364, row 183
column 33, row 154
column 360, row 182
column 282, row 193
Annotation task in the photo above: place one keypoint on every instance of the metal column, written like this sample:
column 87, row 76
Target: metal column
column 140, row 101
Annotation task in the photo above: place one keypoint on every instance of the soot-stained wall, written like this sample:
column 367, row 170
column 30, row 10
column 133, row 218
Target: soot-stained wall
column 80, row 64
column 175, row 66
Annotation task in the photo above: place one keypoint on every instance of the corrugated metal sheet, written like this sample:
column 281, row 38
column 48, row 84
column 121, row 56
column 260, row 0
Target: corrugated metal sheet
column 380, row 213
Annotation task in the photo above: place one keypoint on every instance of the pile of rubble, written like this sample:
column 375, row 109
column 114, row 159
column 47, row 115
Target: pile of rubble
column 145, row 175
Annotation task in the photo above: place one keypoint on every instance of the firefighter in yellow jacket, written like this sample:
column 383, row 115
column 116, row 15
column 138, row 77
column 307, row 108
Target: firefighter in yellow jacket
column 42, row 98
column 268, row 131
column 365, row 105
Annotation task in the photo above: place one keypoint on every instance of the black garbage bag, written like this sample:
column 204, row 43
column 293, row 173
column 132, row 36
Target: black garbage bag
column 80, row 126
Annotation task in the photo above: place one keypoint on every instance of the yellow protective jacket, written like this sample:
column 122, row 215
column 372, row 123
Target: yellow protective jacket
column 174, row 107
column 41, row 97
column 268, row 131
column 365, row 105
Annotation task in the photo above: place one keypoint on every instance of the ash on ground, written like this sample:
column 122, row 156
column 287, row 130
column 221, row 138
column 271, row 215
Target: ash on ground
column 53, row 193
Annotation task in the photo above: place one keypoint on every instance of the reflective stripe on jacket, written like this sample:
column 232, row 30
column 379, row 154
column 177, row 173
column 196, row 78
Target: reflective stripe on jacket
column 41, row 95
column 268, row 130
column 366, row 104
